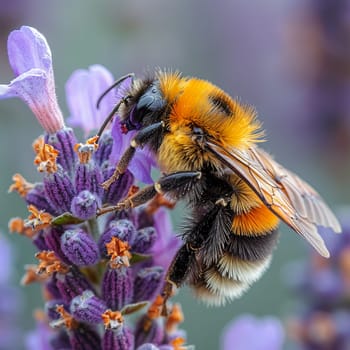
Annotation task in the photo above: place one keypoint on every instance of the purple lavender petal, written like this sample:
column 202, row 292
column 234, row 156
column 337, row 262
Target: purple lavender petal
column 52, row 236
column 85, row 338
column 118, row 189
column 71, row 284
column 35, row 89
column 122, row 339
column 87, row 307
column 37, row 197
column 88, row 177
column 247, row 332
column 103, row 152
column 144, row 239
column 167, row 244
column 59, row 190
column 51, row 309
column 27, row 48
column 117, row 287
column 60, row 341
column 64, row 141
column 39, row 241
column 79, row 247
column 83, row 89
column 154, row 334
column 148, row 282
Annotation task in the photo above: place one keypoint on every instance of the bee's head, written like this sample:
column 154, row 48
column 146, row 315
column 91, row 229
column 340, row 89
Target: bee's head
column 143, row 107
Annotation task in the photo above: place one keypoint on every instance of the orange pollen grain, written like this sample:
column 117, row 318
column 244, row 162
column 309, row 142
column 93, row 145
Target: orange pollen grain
column 176, row 316
column 18, row 225
column 31, row 275
column 178, row 343
column 85, row 150
column 46, row 156
column 49, row 263
column 112, row 319
column 119, row 253
column 20, row 185
column 67, row 319
column 38, row 219
column 155, row 310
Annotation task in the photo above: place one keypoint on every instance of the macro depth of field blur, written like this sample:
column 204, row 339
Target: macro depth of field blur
column 287, row 58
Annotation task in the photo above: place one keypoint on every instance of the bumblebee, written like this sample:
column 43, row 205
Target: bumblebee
column 205, row 143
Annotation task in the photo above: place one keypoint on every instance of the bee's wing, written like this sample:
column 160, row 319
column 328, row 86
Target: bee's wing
column 284, row 193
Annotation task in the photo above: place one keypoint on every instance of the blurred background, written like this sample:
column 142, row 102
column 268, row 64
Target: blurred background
column 290, row 59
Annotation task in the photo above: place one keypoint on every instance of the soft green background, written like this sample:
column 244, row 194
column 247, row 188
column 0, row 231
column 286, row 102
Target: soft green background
column 249, row 48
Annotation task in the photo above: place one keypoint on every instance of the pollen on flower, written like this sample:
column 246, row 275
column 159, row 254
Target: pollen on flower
column 178, row 343
column 175, row 317
column 46, row 156
column 66, row 318
column 20, row 185
column 119, row 253
column 85, row 150
column 31, row 275
column 112, row 319
column 37, row 220
column 50, row 263
column 18, row 225
column 153, row 312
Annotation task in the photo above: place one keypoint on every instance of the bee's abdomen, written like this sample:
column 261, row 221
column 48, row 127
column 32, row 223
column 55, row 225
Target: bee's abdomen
column 243, row 262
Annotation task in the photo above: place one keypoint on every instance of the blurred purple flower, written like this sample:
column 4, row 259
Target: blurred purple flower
column 10, row 299
column 248, row 332
column 31, row 62
column 39, row 338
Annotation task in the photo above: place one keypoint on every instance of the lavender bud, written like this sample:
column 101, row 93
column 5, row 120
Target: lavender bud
column 59, row 190
column 104, row 149
column 88, row 177
column 123, row 339
column 122, row 229
column 79, row 247
column 144, row 239
column 84, row 338
column 87, row 307
column 39, row 241
column 147, row 283
column 84, row 205
column 71, row 284
column 37, row 197
column 64, row 140
column 52, row 237
column 118, row 189
column 60, row 341
column 117, row 287
column 51, row 287
column 153, row 333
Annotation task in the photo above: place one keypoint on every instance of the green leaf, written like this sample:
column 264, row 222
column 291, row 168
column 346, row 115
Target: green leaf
column 131, row 308
column 66, row 219
column 137, row 257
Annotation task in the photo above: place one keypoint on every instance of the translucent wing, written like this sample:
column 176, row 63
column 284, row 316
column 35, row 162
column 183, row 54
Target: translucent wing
column 283, row 192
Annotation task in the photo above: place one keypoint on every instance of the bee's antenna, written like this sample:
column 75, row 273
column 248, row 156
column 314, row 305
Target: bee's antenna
column 116, row 107
column 115, row 84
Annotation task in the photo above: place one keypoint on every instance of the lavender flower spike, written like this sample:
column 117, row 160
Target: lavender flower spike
column 31, row 62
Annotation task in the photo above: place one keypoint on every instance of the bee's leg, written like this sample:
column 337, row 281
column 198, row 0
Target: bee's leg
column 164, row 185
column 140, row 139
